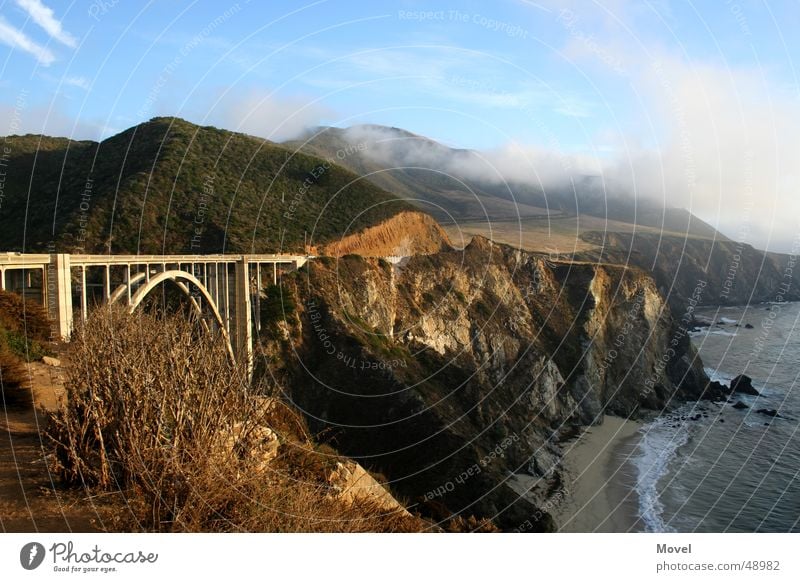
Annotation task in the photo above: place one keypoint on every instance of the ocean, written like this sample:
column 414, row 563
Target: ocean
column 709, row 467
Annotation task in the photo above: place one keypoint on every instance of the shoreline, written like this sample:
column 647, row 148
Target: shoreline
column 600, row 481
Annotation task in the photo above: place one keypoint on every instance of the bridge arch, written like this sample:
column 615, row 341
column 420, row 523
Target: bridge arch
column 181, row 278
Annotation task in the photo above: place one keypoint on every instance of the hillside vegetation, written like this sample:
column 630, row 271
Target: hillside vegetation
column 169, row 186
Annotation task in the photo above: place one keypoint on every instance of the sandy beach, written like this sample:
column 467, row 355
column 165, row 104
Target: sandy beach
column 599, row 483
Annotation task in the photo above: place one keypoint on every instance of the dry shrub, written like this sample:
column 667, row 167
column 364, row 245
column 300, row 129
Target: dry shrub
column 24, row 328
column 156, row 411
column 12, row 378
column 23, row 316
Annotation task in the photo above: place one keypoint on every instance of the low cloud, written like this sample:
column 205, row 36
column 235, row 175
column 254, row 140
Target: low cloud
column 273, row 118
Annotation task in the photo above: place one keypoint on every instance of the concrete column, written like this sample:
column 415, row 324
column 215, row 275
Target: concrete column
column 107, row 282
column 217, row 298
column 274, row 273
column 60, row 304
column 128, row 281
column 258, row 297
column 84, row 298
column 244, row 321
column 227, row 292
column 2, row 279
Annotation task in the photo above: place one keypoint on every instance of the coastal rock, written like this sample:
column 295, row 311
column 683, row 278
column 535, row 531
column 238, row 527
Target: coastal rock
column 748, row 326
column 55, row 362
column 769, row 412
column 716, row 392
column 740, row 405
column 743, row 384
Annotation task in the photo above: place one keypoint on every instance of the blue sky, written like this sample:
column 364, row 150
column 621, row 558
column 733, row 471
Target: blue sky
column 689, row 102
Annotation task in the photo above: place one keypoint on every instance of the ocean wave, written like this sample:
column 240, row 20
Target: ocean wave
column 657, row 448
column 716, row 376
column 721, row 332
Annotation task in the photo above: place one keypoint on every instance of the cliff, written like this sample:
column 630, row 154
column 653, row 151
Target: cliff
column 406, row 233
column 725, row 271
column 453, row 371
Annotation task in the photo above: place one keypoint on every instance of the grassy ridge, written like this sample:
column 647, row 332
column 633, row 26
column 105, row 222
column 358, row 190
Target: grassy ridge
column 169, row 186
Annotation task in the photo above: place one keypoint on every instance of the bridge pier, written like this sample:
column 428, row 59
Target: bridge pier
column 244, row 320
column 59, row 295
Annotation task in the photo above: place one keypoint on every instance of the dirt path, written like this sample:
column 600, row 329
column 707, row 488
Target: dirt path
column 30, row 499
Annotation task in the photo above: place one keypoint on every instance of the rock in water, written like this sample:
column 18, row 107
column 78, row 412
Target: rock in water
column 744, row 385
column 740, row 405
column 769, row 412
column 715, row 392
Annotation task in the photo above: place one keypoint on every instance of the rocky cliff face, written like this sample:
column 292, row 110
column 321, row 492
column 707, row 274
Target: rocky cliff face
column 727, row 272
column 454, row 370
column 407, row 233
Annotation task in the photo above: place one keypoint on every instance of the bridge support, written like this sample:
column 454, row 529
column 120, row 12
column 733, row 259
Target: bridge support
column 59, row 295
column 244, row 318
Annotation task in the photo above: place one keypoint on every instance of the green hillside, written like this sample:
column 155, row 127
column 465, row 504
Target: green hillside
column 169, row 186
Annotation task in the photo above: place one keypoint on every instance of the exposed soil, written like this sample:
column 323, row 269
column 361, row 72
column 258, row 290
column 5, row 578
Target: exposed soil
column 31, row 499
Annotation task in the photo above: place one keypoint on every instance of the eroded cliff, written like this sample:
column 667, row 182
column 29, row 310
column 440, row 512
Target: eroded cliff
column 455, row 370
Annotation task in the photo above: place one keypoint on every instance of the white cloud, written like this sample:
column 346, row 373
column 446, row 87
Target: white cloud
column 44, row 17
column 19, row 40
column 268, row 116
column 80, row 82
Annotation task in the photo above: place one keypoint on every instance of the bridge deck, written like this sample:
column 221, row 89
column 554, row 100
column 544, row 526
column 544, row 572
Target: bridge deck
column 38, row 260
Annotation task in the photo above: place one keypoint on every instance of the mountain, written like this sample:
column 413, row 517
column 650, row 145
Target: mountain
column 414, row 167
column 169, row 186
column 459, row 185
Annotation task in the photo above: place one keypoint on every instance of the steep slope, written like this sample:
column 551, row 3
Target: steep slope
column 457, row 369
column 171, row 186
column 726, row 272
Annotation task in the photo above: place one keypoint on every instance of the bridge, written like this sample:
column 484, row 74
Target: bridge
column 228, row 287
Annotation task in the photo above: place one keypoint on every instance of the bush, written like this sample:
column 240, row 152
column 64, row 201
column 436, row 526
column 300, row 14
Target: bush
column 12, row 377
column 277, row 305
column 156, row 410
column 24, row 328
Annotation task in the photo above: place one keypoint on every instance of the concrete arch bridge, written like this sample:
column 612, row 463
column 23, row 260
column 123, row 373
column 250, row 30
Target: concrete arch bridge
column 225, row 289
